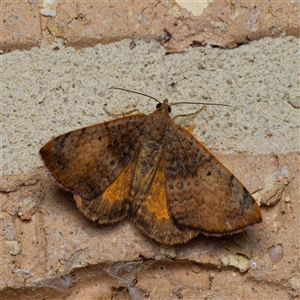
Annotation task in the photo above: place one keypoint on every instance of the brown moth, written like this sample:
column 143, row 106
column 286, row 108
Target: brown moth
column 153, row 172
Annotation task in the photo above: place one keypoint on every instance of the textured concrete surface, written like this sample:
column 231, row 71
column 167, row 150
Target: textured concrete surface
column 50, row 251
column 52, row 90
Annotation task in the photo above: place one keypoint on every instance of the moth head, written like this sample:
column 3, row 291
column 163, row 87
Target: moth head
column 164, row 106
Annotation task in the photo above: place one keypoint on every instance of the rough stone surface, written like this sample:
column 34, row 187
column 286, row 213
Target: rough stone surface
column 20, row 25
column 176, row 24
column 48, row 249
column 58, row 252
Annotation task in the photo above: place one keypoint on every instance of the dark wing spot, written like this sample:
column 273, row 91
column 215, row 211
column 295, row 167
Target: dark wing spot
column 171, row 186
column 90, row 187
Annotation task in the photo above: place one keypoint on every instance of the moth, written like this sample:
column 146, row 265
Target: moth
column 149, row 170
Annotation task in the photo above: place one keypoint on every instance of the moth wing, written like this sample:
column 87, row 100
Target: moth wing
column 88, row 160
column 202, row 194
column 113, row 204
column 153, row 217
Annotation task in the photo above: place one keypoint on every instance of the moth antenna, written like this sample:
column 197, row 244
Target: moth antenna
column 134, row 92
column 204, row 103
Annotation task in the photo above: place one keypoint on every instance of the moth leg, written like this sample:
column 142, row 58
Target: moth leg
column 187, row 115
column 121, row 114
